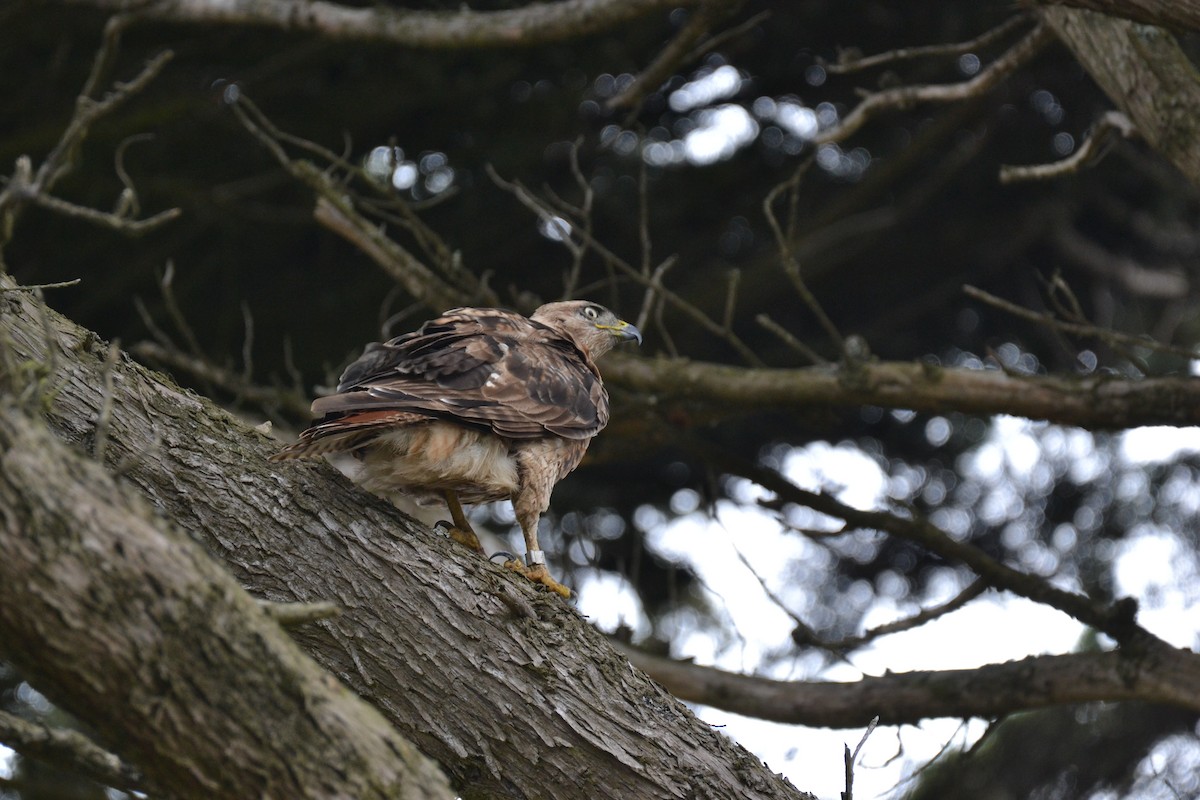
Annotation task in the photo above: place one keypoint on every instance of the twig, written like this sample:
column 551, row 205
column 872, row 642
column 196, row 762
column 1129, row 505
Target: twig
column 290, row 615
column 166, row 287
column 29, row 186
column 852, row 757
column 32, row 286
column 291, row 403
column 680, row 50
column 105, row 219
column 906, row 97
column 127, row 203
column 791, row 341
column 1078, row 329
column 539, row 207
column 1118, row 619
column 1096, row 144
column 336, row 210
column 847, row 63
column 791, row 266
column 976, row 588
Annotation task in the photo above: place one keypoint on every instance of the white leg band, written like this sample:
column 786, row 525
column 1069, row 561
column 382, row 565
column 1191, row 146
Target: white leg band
column 535, row 557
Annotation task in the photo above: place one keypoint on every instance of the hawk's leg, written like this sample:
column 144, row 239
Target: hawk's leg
column 461, row 531
column 536, row 570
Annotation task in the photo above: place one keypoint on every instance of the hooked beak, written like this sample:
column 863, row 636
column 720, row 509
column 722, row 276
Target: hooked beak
column 623, row 330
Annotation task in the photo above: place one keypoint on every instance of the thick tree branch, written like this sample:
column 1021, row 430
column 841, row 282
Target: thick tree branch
column 702, row 391
column 130, row 625
column 536, row 23
column 902, row 698
column 1145, row 73
column 511, row 705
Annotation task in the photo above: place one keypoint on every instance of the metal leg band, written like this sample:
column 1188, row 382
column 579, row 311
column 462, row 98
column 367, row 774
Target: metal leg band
column 535, row 557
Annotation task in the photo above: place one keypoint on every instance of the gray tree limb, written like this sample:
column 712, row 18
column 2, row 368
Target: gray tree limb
column 698, row 391
column 1161, row 674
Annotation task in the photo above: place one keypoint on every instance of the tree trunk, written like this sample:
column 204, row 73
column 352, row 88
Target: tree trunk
column 510, row 690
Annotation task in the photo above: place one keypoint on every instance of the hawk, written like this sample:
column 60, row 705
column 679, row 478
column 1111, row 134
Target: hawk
column 479, row 404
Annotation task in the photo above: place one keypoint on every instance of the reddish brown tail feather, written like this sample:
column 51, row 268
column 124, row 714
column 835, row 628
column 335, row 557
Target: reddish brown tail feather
column 345, row 433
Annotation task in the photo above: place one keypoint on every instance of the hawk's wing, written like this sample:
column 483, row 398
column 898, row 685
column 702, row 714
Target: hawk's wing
column 481, row 367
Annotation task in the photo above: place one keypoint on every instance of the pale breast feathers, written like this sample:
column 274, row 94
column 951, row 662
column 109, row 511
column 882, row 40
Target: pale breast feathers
column 482, row 367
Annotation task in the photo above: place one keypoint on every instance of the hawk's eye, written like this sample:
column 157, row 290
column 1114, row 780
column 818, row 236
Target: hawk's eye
column 591, row 312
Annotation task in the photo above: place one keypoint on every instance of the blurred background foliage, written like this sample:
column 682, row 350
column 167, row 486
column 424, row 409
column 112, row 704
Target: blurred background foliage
column 891, row 224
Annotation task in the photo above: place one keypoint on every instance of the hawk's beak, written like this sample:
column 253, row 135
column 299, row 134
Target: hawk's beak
column 623, row 330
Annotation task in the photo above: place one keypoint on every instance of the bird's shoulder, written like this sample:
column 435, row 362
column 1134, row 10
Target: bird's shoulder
column 460, row 347
column 481, row 367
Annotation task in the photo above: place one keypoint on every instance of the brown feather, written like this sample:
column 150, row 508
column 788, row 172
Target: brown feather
column 480, row 402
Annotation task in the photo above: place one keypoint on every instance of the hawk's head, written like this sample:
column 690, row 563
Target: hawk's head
column 593, row 327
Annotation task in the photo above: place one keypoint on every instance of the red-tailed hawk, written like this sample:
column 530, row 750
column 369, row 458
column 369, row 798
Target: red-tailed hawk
column 479, row 404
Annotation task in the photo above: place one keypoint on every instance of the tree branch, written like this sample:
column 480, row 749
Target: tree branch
column 703, row 391
column 904, row 698
column 533, row 24
column 511, row 706
column 905, row 97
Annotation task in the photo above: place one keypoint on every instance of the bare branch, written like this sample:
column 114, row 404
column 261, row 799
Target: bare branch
column 848, row 62
column 1139, row 280
column 1118, row 619
column 852, row 757
column 785, row 336
column 1077, row 328
column 533, row 24
column 1096, row 144
column 906, row 97
column 679, row 51
column 336, row 210
column 787, row 257
column 903, row 698
column 28, row 186
column 654, row 287
column 112, row 221
column 976, row 588
column 291, row 614
column 713, row 391
column 290, row 402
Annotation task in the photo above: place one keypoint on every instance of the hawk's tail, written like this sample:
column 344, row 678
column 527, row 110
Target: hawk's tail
column 345, row 433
